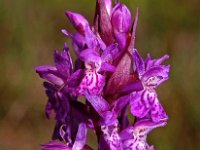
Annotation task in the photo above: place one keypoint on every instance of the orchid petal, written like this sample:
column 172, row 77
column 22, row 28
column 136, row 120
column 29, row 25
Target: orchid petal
column 63, row 62
column 132, row 86
column 139, row 65
column 157, row 112
column 121, row 18
column 141, row 103
column 154, row 62
column 53, row 145
column 91, row 59
column 120, row 103
column 99, row 104
column 78, row 21
column 110, row 53
column 134, row 137
column 80, row 140
column 155, row 76
column 121, row 22
column 107, row 67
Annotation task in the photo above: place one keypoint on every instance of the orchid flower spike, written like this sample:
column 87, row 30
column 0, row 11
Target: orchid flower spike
column 108, row 76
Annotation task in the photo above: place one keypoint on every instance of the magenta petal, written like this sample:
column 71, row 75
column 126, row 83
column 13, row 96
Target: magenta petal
column 75, row 79
column 63, row 62
column 157, row 112
column 45, row 69
column 111, row 136
column 99, row 104
column 53, row 145
column 85, row 38
column 53, row 79
column 161, row 60
column 135, row 137
column 132, row 86
column 120, row 103
column 121, row 19
column 89, row 55
column 101, row 43
column 108, row 118
column 147, row 125
column 121, row 39
column 155, row 76
column 110, row 53
column 92, row 40
column 81, row 137
column 78, row 21
column 50, row 74
column 139, row 65
column 141, row 103
column 121, row 22
column 154, row 62
column 107, row 67
column 78, row 42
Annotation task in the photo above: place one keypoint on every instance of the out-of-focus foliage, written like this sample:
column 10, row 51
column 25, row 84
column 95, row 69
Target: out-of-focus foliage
column 30, row 31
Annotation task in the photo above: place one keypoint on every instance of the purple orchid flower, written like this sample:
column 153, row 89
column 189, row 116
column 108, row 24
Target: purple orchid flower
column 59, row 74
column 134, row 137
column 97, row 90
column 93, row 81
column 151, row 74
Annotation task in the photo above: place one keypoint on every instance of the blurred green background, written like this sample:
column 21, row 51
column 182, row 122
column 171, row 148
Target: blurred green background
column 30, row 31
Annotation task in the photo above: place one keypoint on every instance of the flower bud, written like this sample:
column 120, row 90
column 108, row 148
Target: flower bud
column 78, row 21
column 103, row 21
column 121, row 18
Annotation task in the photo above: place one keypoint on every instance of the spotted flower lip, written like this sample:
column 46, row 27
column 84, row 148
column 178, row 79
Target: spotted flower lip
column 134, row 137
column 107, row 78
column 151, row 73
column 146, row 103
column 92, row 81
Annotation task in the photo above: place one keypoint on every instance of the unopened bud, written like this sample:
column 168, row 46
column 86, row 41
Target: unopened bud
column 121, row 18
